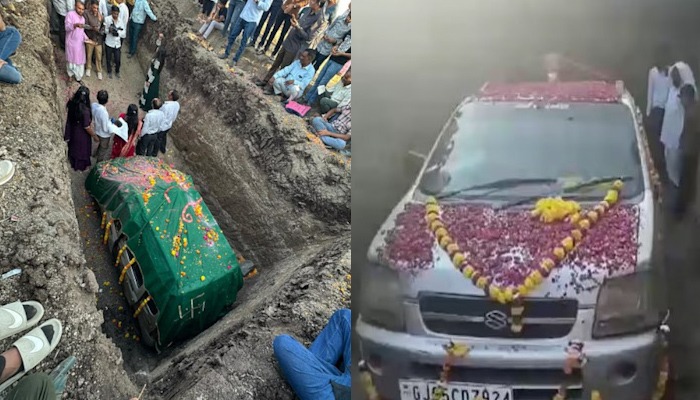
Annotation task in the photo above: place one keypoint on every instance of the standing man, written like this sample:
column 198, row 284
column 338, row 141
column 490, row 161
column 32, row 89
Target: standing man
column 116, row 31
column 292, row 80
column 657, row 95
column 138, row 18
column 123, row 16
column 690, row 152
column 75, row 42
column 104, row 128
column 61, row 8
column 334, row 35
column 247, row 22
column 148, row 142
column 235, row 7
column 94, row 30
column 290, row 8
column 671, row 129
column 170, row 110
column 298, row 39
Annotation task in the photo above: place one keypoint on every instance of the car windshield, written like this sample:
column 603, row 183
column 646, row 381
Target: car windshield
column 527, row 148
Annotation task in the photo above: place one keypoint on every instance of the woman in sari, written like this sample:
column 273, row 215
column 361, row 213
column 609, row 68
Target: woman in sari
column 78, row 129
column 152, row 85
column 122, row 148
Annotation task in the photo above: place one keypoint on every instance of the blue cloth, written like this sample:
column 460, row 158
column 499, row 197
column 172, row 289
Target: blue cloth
column 234, row 11
column 141, row 10
column 134, row 31
column 327, row 73
column 248, row 28
column 310, row 371
column 252, row 12
column 320, row 124
column 10, row 39
column 301, row 76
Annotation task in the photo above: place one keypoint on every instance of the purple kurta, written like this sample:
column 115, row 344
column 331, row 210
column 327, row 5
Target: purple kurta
column 75, row 39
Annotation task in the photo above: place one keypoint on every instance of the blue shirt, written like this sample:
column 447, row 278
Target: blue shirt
column 301, row 76
column 252, row 12
column 141, row 9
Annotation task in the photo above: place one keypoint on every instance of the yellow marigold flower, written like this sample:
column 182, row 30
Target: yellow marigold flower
column 568, row 243
column 559, row 253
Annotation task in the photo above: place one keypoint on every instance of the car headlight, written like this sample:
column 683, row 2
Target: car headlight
column 380, row 298
column 629, row 304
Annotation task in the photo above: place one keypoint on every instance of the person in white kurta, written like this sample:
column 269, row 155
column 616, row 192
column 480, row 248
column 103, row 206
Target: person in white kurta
column 672, row 125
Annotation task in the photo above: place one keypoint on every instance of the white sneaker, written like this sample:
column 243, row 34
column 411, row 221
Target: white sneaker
column 99, row 75
column 87, row 72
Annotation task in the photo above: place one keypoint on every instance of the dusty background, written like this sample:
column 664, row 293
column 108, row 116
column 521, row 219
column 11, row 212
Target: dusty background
column 420, row 59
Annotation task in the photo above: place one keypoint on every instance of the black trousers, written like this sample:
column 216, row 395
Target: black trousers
column 115, row 54
column 320, row 58
column 148, row 145
column 270, row 16
column 162, row 141
column 284, row 20
column 61, row 31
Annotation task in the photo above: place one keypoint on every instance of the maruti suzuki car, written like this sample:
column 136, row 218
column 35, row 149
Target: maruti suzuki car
column 499, row 153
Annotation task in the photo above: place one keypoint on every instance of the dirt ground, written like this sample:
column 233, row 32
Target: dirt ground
column 255, row 168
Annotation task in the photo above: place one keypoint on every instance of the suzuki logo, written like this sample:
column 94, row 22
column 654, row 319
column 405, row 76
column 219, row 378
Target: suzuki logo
column 496, row 320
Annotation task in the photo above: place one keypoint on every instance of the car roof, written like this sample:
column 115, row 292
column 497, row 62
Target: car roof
column 552, row 92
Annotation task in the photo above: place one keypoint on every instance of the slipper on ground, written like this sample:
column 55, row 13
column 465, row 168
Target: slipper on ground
column 7, row 171
column 33, row 348
column 13, row 318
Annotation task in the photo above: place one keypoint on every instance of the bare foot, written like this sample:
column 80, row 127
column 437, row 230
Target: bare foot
column 13, row 364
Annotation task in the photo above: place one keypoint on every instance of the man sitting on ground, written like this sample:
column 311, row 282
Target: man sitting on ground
column 215, row 20
column 321, row 372
column 10, row 39
column 334, row 127
column 152, row 122
column 337, row 97
column 292, row 80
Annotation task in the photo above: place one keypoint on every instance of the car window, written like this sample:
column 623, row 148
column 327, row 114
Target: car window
column 487, row 142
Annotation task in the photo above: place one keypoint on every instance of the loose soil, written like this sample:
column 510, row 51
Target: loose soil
column 255, row 165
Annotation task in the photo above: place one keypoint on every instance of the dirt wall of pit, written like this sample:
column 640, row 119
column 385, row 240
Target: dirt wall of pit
column 272, row 191
column 38, row 226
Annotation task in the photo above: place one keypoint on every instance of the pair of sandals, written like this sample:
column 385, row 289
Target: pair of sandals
column 34, row 346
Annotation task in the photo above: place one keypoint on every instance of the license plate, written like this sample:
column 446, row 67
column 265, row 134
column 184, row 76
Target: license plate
column 423, row 390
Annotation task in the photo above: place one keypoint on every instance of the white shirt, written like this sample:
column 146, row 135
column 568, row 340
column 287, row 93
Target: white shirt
column 114, row 41
column 123, row 13
column 104, row 9
column 152, row 122
column 672, row 125
column 170, row 110
column 63, row 6
column 657, row 89
column 103, row 126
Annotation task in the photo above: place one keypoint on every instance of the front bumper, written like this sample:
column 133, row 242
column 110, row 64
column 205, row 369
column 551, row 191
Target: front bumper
column 625, row 368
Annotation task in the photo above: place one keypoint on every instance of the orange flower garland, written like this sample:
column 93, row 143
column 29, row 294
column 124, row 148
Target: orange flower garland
column 581, row 222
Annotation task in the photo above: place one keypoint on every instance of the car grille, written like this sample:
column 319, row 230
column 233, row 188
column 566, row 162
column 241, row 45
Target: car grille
column 527, row 384
column 481, row 317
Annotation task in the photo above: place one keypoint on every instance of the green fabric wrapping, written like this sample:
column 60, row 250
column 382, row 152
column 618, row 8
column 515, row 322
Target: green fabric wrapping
column 192, row 283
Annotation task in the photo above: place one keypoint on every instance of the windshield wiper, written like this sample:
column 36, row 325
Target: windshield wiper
column 499, row 185
column 568, row 190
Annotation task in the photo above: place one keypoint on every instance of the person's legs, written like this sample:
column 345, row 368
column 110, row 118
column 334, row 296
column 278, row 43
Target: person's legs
column 309, row 376
column 278, row 85
column 320, row 124
column 88, row 57
column 235, row 14
column 10, row 40
column 263, row 20
column 109, row 56
column 673, row 165
column 33, row 387
column 213, row 25
column 318, row 61
column 267, row 40
column 98, row 58
column 338, row 144
column 152, row 145
column 141, row 146
column 285, row 28
column 326, row 104
column 204, row 28
column 103, row 150
column 326, row 74
column 248, row 29
column 274, row 67
column 235, row 31
column 117, row 60
column 62, row 31
column 9, row 74
column 134, row 31
column 334, row 340
column 163, row 141
column 229, row 14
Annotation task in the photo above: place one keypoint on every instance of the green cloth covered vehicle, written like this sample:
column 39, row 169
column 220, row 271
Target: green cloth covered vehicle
column 178, row 270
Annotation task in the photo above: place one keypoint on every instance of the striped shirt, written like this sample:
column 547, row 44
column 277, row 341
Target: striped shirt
column 342, row 122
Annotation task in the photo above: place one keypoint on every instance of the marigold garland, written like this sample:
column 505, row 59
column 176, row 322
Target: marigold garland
column 119, row 255
column 142, row 305
column 549, row 210
column 126, row 268
column 106, row 237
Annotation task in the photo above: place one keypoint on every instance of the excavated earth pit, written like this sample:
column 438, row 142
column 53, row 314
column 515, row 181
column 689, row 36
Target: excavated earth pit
column 282, row 200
